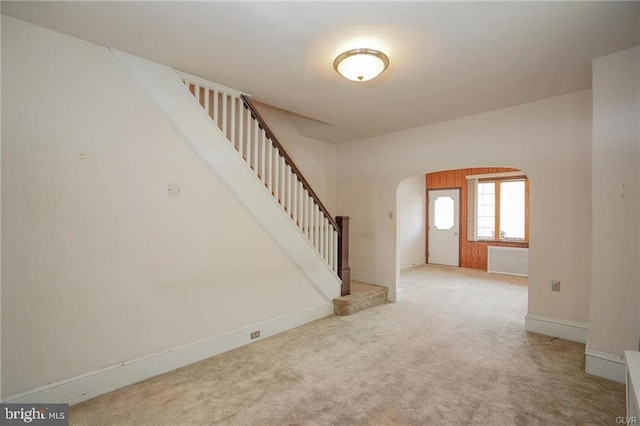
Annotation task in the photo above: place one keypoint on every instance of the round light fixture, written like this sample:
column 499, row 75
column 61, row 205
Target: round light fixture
column 361, row 64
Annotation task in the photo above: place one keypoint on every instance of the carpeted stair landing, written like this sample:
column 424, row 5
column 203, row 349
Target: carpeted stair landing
column 362, row 296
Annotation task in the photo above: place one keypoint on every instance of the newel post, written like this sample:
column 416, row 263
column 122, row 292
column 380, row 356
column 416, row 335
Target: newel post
column 344, row 271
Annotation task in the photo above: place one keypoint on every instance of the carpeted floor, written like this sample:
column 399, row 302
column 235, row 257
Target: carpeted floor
column 452, row 352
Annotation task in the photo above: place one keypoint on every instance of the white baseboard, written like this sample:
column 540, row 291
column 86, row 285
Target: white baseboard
column 557, row 327
column 393, row 295
column 90, row 385
column 412, row 263
column 605, row 365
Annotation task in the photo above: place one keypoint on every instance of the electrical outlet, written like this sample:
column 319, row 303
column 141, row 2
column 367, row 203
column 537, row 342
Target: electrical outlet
column 255, row 334
column 555, row 285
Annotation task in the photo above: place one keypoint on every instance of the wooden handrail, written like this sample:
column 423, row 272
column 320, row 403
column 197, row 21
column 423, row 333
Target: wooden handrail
column 276, row 143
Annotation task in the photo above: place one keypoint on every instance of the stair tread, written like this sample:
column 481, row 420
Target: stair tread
column 360, row 292
column 362, row 296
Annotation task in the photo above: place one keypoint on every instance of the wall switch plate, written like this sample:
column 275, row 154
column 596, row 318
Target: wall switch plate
column 255, row 334
column 555, row 285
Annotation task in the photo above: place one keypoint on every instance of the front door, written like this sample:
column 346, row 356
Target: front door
column 444, row 227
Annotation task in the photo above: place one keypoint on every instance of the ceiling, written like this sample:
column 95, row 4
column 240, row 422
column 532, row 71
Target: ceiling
column 448, row 59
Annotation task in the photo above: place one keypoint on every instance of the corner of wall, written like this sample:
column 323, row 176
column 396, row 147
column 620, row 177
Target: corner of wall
column 605, row 365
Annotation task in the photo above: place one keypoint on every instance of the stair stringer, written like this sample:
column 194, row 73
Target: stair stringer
column 170, row 96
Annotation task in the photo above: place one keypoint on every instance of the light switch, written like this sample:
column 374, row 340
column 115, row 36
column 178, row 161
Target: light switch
column 390, row 215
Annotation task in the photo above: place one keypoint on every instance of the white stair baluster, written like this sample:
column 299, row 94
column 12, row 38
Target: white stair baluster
column 283, row 184
column 288, row 188
column 224, row 114
column 314, row 234
column 216, row 110
column 322, row 235
column 247, row 134
column 309, row 217
column 247, row 148
column 276, row 175
column 206, row 100
column 303, row 199
column 269, row 171
column 320, row 239
column 331, row 236
column 310, row 227
column 267, row 166
column 294, row 201
column 233, row 120
column 241, row 118
column 263, row 157
column 335, row 252
column 256, row 140
column 285, row 180
column 196, row 92
column 327, row 241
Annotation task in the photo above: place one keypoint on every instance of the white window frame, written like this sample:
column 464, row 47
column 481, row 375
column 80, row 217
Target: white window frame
column 472, row 194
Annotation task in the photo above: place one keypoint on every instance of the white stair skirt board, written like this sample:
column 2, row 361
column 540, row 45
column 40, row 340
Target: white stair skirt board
column 393, row 295
column 556, row 327
column 412, row 263
column 87, row 386
column 168, row 93
column 605, row 365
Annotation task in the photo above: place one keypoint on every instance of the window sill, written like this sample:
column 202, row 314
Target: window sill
column 504, row 242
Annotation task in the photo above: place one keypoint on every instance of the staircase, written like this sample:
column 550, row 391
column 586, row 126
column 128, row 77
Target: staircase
column 223, row 128
column 245, row 129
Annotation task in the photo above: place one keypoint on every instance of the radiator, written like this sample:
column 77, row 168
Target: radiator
column 508, row 260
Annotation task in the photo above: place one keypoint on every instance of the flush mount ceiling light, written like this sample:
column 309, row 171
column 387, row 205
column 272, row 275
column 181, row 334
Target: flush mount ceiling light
column 361, row 64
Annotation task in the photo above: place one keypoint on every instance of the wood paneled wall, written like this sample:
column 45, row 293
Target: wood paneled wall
column 473, row 254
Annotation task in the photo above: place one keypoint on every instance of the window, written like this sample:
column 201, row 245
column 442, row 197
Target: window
column 512, row 210
column 486, row 209
column 443, row 218
column 498, row 209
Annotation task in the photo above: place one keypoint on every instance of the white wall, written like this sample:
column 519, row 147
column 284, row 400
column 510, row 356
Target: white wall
column 411, row 208
column 315, row 159
column 615, row 289
column 550, row 140
column 100, row 265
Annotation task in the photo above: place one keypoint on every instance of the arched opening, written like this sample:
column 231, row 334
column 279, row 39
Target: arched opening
column 483, row 212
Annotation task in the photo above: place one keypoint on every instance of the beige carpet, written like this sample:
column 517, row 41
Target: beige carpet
column 452, row 352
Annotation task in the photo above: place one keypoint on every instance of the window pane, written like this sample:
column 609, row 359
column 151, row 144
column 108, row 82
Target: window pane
column 443, row 213
column 512, row 196
column 486, row 209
